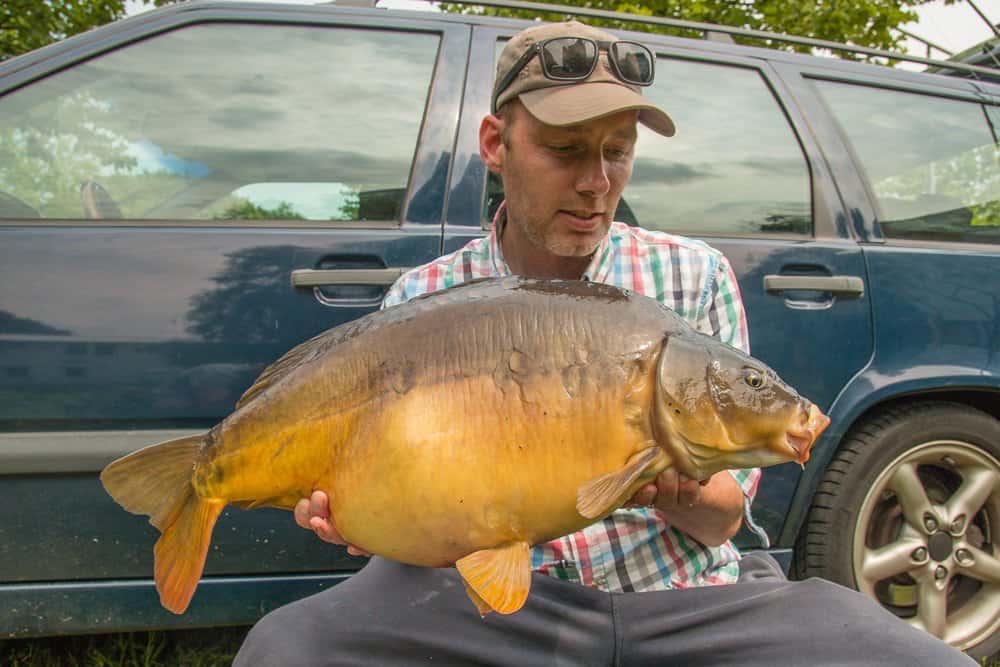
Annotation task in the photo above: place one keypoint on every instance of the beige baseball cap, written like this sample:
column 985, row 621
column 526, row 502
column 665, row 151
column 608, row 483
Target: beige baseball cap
column 571, row 102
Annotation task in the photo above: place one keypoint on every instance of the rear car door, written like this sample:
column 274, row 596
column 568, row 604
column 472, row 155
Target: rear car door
column 743, row 173
column 184, row 197
column 925, row 157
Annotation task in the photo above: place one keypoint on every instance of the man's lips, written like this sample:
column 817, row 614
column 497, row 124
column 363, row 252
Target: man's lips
column 582, row 220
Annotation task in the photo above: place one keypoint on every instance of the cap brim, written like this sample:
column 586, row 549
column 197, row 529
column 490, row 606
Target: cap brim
column 581, row 102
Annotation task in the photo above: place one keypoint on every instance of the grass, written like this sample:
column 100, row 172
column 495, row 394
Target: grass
column 212, row 647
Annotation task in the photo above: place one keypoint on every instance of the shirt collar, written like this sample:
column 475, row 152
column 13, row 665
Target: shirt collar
column 597, row 271
column 500, row 267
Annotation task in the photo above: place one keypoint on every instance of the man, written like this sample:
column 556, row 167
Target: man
column 662, row 583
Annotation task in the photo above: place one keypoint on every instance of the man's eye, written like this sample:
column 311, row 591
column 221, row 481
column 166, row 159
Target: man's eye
column 563, row 148
column 616, row 153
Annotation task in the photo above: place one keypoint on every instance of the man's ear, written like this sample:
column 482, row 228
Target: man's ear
column 491, row 148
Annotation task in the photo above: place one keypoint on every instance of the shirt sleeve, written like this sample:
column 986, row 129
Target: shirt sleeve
column 723, row 316
column 395, row 295
column 405, row 288
column 721, row 313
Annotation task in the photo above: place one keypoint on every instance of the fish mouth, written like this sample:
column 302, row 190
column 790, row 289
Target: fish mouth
column 799, row 441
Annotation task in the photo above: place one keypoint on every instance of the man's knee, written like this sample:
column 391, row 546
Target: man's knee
column 859, row 625
column 290, row 635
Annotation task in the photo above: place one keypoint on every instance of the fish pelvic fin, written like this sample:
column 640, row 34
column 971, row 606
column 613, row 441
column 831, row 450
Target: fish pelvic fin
column 482, row 606
column 179, row 554
column 156, row 481
column 498, row 579
column 603, row 494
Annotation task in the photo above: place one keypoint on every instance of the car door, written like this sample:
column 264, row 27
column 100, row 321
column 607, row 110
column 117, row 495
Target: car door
column 743, row 173
column 184, row 197
column 925, row 159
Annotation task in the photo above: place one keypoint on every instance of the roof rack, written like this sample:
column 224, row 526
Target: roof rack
column 706, row 28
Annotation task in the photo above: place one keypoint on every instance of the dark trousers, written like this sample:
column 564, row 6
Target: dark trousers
column 392, row 614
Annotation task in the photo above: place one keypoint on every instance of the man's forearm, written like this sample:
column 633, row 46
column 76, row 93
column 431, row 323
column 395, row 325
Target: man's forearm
column 715, row 514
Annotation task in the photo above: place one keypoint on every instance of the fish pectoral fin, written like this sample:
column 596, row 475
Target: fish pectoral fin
column 599, row 496
column 498, row 579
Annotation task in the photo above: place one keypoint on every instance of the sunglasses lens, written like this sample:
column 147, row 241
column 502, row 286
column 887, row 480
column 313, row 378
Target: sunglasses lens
column 568, row 58
column 634, row 61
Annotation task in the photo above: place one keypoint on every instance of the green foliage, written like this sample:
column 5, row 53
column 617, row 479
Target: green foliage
column 47, row 153
column 244, row 209
column 214, row 647
column 26, row 25
column 351, row 208
column 44, row 162
column 868, row 23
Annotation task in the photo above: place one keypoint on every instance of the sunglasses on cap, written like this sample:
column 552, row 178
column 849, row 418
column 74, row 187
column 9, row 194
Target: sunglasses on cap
column 575, row 58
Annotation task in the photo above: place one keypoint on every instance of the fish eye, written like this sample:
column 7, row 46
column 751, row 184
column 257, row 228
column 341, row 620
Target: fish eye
column 754, row 378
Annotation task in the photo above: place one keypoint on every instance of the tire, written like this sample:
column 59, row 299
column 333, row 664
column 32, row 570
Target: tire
column 908, row 512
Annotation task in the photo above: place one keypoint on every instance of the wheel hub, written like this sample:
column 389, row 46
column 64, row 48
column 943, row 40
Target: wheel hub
column 925, row 545
column 940, row 546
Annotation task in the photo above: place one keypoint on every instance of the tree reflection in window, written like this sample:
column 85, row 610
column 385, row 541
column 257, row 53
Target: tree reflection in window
column 169, row 138
column 930, row 162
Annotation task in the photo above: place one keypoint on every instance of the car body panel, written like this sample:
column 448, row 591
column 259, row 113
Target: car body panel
column 139, row 329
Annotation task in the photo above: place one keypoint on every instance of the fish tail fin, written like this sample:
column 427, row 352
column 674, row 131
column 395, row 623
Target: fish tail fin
column 179, row 554
column 156, row 481
column 153, row 479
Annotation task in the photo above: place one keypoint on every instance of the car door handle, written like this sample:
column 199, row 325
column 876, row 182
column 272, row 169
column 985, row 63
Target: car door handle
column 848, row 286
column 324, row 277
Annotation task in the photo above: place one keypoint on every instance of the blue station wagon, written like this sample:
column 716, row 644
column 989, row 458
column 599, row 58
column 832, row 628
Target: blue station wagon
column 187, row 194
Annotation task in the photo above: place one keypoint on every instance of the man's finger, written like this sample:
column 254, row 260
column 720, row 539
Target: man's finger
column 319, row 505
column 666, row 484
column 688, row 491
column 302, row 514
column 325, row 530
column 644, row 497
column 354, row 551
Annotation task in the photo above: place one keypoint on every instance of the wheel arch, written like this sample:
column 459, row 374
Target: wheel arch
column 859, row 403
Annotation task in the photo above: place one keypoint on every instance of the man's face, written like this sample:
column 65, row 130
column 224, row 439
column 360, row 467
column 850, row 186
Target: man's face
column 562, row 184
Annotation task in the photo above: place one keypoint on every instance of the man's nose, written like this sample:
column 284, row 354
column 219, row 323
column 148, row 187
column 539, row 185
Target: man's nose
column 593, row 178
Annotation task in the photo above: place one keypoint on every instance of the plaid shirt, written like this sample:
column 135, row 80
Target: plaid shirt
column 633, row 549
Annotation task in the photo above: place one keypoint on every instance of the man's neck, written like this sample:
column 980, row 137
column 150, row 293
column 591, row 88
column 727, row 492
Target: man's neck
column 524, row 258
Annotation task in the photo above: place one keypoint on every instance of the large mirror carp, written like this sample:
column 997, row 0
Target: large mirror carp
column 464, row 426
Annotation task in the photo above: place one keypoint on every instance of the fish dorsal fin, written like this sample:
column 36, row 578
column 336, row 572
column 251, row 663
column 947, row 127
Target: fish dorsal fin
column 500, row 578
column 289, row 361
column 600, row 495
column 318, row 345
column 306, row 352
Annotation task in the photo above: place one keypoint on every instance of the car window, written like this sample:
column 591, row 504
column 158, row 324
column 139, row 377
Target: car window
column 222, row 121
column 724, row 172
column 733, row 167
column 931, row 163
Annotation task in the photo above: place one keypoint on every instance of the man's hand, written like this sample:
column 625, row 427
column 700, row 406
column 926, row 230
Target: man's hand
column 313, row 514
column 710, row 511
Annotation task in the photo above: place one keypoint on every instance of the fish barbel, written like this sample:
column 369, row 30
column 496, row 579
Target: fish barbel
column 464, row 426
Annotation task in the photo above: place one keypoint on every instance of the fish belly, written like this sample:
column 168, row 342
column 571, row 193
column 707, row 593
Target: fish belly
column 447, row 469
